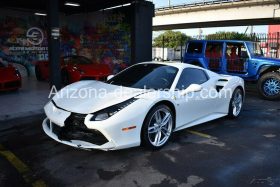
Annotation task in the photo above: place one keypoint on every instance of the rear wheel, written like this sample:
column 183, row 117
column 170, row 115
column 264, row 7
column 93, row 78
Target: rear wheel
column 269, row 86
column 236, row 103
column 157, row 127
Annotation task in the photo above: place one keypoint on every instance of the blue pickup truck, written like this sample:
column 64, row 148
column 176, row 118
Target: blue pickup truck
column 240, row 58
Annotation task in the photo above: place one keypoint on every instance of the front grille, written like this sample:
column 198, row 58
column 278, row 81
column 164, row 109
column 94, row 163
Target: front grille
column 12, row 84
column 75, row 129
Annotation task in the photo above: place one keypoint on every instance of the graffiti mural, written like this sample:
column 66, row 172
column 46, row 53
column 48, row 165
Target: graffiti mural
column 103, row 37
column 22, row 40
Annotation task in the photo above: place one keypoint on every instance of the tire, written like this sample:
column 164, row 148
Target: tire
column 38, row 74
column 236, row 103
column 158, row 135
column 65, row 77
column 269, row 86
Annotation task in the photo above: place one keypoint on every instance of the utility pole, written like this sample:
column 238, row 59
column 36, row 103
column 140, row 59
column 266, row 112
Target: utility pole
column 169, row 3
column 252, row 29
column 200, row 32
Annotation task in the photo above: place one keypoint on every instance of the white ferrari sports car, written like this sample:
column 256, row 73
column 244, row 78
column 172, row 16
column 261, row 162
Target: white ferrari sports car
column 142, row 105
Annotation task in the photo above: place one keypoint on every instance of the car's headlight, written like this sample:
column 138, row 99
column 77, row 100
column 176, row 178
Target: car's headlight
column 17, row 73
column 79, row 70
column 110, row 111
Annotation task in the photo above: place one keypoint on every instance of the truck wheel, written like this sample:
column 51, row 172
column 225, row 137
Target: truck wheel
column 269, row 86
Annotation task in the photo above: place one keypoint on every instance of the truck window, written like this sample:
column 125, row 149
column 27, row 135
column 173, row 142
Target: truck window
column 195, row 48
column 255, row 49
column 213, row 55
column 236, row 56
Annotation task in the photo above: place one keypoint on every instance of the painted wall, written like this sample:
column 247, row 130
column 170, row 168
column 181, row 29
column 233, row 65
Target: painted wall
column 103, row 37
column 273, row 28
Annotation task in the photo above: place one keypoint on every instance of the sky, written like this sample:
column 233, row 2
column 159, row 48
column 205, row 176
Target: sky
column 205, row 31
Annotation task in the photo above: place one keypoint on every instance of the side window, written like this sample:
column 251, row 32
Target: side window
column 236, row 50
column 214, row 50
column 195, row 48
column 236, row 55
column 213, row 54
column 191, row 76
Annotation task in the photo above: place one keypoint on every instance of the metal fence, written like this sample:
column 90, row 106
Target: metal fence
column 269, row 43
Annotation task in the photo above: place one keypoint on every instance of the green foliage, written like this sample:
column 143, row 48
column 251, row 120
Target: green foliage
column 230, row 36
column 171, row 39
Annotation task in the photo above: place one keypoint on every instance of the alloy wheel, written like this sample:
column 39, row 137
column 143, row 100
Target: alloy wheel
column 271, row 87
column 160, row 127
column 237, row 103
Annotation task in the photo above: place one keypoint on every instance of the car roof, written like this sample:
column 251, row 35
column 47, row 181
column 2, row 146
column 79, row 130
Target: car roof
column 178, row 65
column 238, row 41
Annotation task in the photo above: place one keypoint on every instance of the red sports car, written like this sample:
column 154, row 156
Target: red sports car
column 10, row 78
column 73, row 69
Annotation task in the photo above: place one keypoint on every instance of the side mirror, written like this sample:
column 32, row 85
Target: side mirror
column 109, row 77
column 192, row 88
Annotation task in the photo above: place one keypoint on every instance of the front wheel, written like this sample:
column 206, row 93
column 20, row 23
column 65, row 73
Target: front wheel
column 236, row 103
column 157, row 127
column 269, row 86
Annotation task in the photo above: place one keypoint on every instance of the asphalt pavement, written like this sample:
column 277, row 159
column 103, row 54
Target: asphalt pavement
column 224, row 152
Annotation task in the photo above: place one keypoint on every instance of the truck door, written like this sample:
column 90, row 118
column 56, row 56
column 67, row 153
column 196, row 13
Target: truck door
column 213, row 55
column 237, row 58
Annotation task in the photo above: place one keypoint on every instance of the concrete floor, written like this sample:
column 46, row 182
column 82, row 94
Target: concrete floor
column 241, row 152
column 27, row 101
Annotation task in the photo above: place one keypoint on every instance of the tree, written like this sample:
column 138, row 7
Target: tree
column 171, row 39
column 230, row 36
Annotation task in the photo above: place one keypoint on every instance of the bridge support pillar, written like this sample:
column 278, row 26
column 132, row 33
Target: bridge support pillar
column 53, row 43
column 141, row 31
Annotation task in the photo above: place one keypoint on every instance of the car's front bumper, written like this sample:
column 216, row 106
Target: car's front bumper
column 112, row 129
column 48, row 127
column 10, row 85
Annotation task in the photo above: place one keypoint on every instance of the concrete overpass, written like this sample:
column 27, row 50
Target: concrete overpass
column 217, row 13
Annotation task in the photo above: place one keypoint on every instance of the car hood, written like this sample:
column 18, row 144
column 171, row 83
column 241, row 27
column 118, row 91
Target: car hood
column 7, row 73
column 90, row 96
column 271, row 60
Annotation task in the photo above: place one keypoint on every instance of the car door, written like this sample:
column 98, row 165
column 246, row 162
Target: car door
column 196, row 105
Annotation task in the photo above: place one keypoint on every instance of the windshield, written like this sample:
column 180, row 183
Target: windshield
column 3, row 64
column 146, row 76
column 77, row 60
column 255, row 49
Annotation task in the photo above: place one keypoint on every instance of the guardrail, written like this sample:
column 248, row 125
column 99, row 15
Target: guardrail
column 197, row 4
